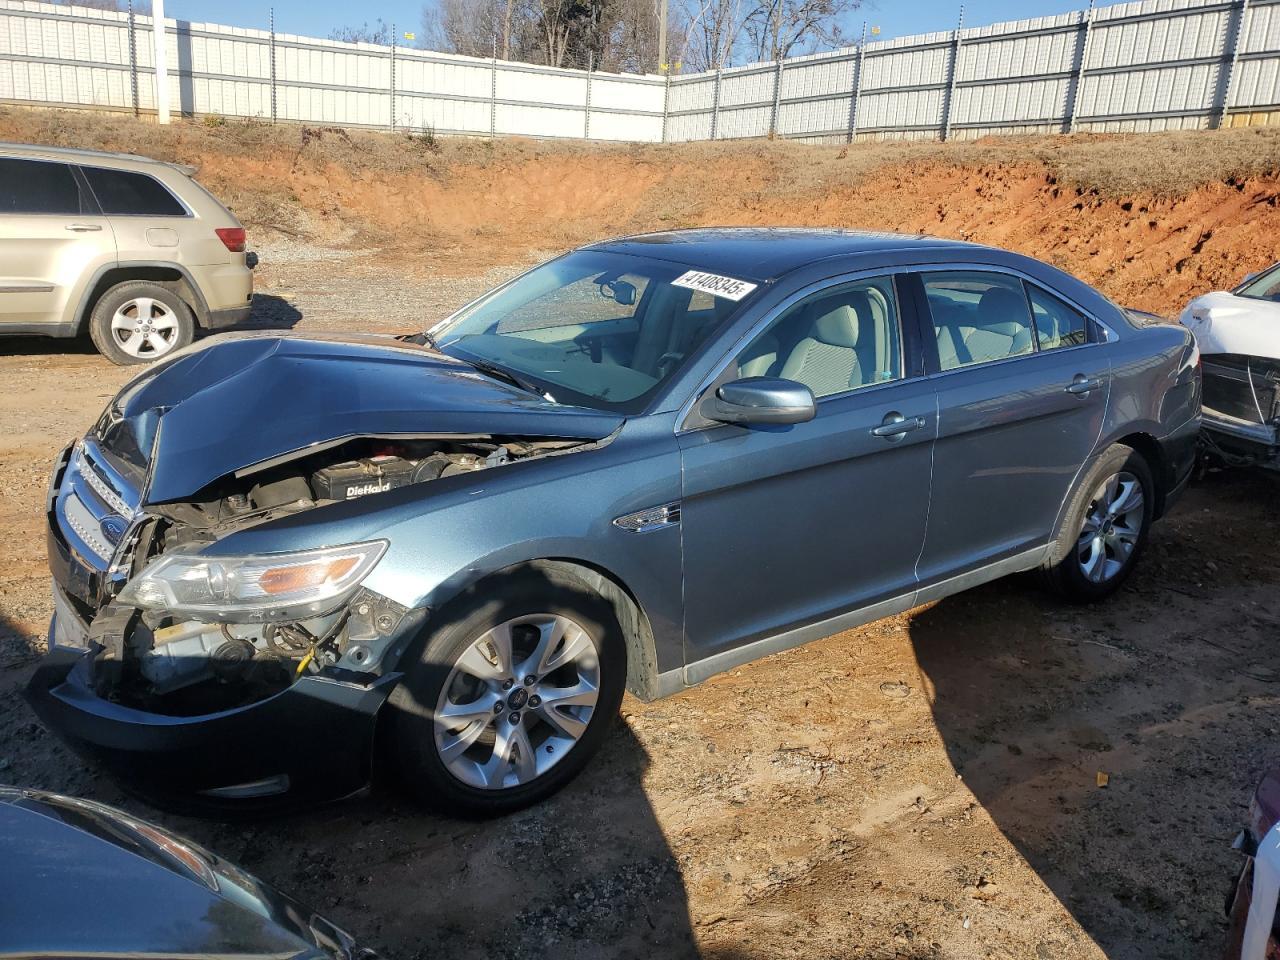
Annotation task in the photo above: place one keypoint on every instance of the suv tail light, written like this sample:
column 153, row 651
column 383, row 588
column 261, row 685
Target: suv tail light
column 232, row 238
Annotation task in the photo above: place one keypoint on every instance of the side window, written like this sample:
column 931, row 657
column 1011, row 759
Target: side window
column 121, row 193
column 839, row 339
column 36, row 186
column 978, row 317
column 1057, row 325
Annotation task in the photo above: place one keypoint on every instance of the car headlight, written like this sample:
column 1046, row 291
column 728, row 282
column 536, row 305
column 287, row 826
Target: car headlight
column 262, row 587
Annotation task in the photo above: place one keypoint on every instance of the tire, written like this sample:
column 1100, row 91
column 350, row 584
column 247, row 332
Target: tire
column 139, row 321
column 476, row 762
column 1086, row 570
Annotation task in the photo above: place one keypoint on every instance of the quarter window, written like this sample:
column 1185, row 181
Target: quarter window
column 840, row 339
column 978, row 317
column 1057, row 325
column 36, row 186
column 122, row 193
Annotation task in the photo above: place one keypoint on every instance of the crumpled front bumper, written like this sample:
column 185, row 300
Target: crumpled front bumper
column 308, row 743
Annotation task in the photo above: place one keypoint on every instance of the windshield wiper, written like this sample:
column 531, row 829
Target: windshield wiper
column 502, row 373
column 421, row 339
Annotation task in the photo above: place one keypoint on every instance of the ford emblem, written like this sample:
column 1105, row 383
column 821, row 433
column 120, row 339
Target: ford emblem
column 113, row 528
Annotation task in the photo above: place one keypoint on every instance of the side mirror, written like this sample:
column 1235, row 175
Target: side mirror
column 760, row 400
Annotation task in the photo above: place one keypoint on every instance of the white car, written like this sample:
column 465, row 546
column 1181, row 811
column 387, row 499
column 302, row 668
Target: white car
column 1238, row 333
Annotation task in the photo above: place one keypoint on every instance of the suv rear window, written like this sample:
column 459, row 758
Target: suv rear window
column 122, row 193
column 38, row 186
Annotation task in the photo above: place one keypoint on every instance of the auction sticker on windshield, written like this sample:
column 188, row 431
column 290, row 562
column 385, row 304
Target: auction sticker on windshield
column 716, row 285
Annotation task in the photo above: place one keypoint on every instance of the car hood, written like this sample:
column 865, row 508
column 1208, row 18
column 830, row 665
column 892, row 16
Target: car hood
column 84, row 879
column 237, row 403
column 1224, row 323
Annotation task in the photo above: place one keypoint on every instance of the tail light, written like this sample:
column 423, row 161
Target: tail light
column 232, row 238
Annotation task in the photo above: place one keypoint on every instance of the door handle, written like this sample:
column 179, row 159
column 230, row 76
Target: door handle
column 83, row 227
column 895, row 426
column 1081, row 385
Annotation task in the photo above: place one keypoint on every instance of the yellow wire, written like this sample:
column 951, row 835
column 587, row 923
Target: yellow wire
column 302, row 665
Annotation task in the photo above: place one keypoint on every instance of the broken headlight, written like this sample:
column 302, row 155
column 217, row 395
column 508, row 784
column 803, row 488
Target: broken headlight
column 274, row 586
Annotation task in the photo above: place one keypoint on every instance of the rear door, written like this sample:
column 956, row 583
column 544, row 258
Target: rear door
column 784, row 527
column 1022, row 378
column 150, row 222
column 52, row 240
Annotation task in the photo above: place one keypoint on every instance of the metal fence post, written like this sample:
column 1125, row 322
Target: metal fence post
column 586, row 115
column 493, row 91
column 1077, row 81
column 392, row 125
column 857, row 86
column 951, row 80
column 1241, row 15
column 777, row 99
column 133, row 60
column 273, row 64
column 715, row 105
column 666, row 104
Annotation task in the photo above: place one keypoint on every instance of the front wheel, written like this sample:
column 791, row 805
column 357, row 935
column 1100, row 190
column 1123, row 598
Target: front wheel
column 509, row 698
column 1106, row 527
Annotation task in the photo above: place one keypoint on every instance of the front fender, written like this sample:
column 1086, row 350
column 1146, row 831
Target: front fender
column 446, row 535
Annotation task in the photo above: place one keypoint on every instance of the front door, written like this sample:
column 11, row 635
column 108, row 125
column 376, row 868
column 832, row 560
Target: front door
column 52, row 239
column 784, row 527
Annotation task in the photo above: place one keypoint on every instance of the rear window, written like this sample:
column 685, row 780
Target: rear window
column 37, row 186
column 122, row 193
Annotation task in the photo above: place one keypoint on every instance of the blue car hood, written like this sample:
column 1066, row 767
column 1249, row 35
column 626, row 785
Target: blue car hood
column 236, row 403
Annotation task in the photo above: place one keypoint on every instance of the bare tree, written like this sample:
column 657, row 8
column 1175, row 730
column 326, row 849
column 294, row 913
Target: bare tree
column 781, row 28
column 379, row 33
column 618, row 35
column 721, row 31
column 475, row 28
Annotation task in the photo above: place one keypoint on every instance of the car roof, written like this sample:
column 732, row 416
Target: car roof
column 766, row 253
column 94, row 157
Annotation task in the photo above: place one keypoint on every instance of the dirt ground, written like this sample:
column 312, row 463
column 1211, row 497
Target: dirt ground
column 924, row 787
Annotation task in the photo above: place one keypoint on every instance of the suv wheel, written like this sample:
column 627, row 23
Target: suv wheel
column 139, row 321
column 1105, row 529
column 509, row 699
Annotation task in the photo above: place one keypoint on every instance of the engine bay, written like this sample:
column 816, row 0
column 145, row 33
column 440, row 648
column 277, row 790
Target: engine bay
column 185, row 666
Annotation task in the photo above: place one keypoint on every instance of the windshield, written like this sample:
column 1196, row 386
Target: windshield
column 605, row 330
column 1265, row 286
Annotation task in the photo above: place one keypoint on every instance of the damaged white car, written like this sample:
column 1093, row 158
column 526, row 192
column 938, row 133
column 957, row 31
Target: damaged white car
column 1238, row 333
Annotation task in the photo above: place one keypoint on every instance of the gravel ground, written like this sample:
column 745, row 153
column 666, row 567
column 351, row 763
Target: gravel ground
column 924, row 787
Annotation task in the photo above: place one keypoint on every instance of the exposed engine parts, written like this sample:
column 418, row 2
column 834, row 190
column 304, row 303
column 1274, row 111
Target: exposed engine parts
column 185, row 666
column 1242, row 409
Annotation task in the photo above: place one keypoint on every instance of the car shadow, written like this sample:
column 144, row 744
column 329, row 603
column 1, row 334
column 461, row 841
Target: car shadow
column 24, row 346
column 1117, row 754
column 269, row 312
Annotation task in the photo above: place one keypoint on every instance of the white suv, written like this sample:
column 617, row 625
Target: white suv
column 132, row 251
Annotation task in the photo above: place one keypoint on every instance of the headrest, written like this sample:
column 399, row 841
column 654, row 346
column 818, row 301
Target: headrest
column 837, row 325
column 1000, row 305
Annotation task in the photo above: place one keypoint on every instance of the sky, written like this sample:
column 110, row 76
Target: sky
column 316, row 18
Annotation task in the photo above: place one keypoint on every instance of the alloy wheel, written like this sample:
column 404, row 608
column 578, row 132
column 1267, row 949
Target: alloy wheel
column 1112, row 525
column 517, row 700
column 144, row 328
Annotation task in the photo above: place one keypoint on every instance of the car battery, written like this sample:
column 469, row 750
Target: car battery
column 359, row 478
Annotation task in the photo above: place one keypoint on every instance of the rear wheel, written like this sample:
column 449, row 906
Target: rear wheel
column 509, row 699
column 139, row 321
column 1106, row 527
